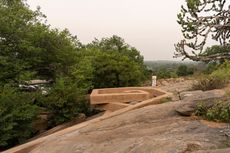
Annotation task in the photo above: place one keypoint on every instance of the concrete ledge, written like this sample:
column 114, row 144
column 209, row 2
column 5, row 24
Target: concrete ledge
column 123, row 95
column 113, row 106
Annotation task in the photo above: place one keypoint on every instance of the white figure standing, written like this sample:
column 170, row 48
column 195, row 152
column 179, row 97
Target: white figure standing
column 154, row 81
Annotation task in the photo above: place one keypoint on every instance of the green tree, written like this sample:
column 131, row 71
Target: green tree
column 115, row 70
column 183, row 70
column 17, row 114
column 29, row 48
column 63, row 101
column 16, row 20
column 110, row 69
column 199, row 20
column 117, row 44
column 163, row 73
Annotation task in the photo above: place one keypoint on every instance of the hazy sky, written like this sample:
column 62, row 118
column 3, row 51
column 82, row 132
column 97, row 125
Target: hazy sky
column 148, row 25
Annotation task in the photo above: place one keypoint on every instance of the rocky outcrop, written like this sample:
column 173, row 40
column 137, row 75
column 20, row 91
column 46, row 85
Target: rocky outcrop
column 200, row 95
column 152, row 129
column 156, row 129
column 191, row 98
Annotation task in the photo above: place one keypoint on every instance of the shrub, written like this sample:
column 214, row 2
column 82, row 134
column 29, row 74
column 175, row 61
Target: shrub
column 64, row 101
column 209, row 83
column 217, row 79
column 223, row 71
column 183, row 70
column 201, row 109
column 211, row 67
column 164, row 73
column 17, row 114
column 220, row 111
column 112, row 69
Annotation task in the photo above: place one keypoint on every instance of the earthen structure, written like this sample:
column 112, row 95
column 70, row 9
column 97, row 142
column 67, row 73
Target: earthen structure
column 112, row 99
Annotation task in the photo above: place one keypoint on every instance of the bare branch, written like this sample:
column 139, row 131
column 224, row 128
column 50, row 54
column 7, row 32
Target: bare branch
column 197, row 25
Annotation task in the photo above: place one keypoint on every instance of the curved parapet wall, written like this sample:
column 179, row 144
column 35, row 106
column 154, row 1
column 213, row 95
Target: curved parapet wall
column 112, row 99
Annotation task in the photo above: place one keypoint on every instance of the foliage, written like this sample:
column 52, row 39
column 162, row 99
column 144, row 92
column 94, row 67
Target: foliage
column 217, row 79
column 183, row 70
column 17, row 114
column 209, row 82
column 118, row 45
column 201, row 109
column 30, row 49
column 114, row 63
column 199, row 20
column 63, row 100
column 223, row 69
column 220, row 111
column 217, row 49
column 13, row 27
column 115, row 70
column 173, row 69
column 211, row 67
column 164, row 73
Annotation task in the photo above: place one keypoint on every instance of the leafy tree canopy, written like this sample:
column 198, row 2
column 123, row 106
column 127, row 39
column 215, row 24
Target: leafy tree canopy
column 16, row 114
column 29, row 48
column 118, row 44
column 117, row 47
column 115, row 70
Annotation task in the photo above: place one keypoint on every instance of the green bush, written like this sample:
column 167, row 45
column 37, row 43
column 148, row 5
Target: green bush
column 164, row 73
column 201, row 109
column 64, row 101
column 17, row 113
column 209, row 83
column 223, row 70
column 220, row 111
column 112, row 69
column 217, row 79
column 211, row 67
column 183, row 70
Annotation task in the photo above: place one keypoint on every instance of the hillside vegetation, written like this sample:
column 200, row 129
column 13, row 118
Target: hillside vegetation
column 31, row 50
column 174, row 69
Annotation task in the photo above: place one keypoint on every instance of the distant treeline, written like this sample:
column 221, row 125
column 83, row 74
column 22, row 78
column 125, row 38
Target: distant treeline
column 172, row 69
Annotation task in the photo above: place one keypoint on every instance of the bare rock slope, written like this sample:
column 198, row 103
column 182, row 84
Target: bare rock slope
column 152, row 129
